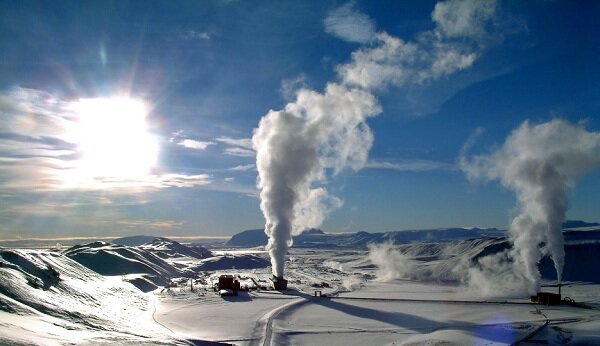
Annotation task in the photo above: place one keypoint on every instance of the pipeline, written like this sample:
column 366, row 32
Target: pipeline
column 433, row 300
column 567, row 300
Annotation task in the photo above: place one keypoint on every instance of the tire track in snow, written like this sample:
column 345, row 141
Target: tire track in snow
column 154, row 312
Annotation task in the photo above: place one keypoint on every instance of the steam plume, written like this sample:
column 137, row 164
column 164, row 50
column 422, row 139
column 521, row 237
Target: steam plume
column 321, row 133
column 391, row 263
column 540, row 163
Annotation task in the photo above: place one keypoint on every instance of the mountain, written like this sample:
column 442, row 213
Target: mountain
column 47, row 298
column 249, row 238
column 568, row 224
column 318, row 238
column 233, row 261
column 135, row 240
column 167, row 248
column 112, row 259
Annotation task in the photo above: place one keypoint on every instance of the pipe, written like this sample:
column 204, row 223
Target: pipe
column 559, row 289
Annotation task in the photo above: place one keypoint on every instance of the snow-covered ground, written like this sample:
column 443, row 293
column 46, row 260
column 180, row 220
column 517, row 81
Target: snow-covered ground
column 80, row 306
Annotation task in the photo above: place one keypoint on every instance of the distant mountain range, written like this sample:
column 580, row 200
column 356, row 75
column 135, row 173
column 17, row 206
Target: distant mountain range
column 318, row 238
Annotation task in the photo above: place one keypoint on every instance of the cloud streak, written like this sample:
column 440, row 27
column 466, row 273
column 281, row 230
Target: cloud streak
column 241, row 147
column 410, row 165
column 349, row 24
column 244, row 168
column 156, row 224
column 245, row 143
column 194, row 144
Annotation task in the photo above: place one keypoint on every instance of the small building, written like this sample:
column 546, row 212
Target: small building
column 279, row 283
column 548, row 298
column 229, row 282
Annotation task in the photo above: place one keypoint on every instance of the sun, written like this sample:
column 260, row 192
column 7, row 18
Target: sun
column 113, row 140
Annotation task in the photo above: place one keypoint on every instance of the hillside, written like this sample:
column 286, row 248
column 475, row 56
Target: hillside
column 112, row 259
column 48, row 298
column 167, row 248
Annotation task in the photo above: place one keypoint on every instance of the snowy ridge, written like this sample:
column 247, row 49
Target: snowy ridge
column 111, row 259
column 448, row 262
column 233, row 261
column 62, row 301
column 167, row 248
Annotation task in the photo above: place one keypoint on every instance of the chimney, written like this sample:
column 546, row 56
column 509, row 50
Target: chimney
column 279, row 283
column 559, row 289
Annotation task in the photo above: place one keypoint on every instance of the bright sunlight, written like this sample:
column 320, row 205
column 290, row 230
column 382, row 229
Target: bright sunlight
column 113, row 140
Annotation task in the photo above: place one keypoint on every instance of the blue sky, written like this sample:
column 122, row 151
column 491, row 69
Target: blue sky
column 206, row 72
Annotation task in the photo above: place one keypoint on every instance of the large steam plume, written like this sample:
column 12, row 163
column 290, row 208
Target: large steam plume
column 326, row 132
column 540, row 163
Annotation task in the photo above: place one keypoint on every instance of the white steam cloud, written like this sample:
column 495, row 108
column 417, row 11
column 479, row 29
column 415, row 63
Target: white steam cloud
column 321, row 133
column 540, row 163
column 391, row 263
column 295, row 146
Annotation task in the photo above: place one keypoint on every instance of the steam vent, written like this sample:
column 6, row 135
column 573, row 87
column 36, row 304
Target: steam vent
column 279, row 283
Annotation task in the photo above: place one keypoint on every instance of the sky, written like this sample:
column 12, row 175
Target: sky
column 135, row 117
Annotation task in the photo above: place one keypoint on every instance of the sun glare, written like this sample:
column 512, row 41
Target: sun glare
column 113, row 140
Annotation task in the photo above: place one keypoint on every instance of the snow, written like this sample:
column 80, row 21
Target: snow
column 166, row 248
column 82, row 305
column 211, row 317
column 237, row 261
column 78, row 305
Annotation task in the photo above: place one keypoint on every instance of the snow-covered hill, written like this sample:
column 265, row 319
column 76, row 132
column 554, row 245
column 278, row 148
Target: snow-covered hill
column 111, row 259
column 248, row 238
column 47, row 298
column 167, row 248
column 233, row 261
column 158, row 260
column 447, row 262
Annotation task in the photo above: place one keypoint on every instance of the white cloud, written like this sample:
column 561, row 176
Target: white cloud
column 349, row 24
column 463, row 18
column 247, row 167
column 410, row 165
column 289, row 87
column 194, row 144
column 453, row 45
column 236, row 142
column 34, row 113
column 241, row 147
column 161, row 224
column 38, row 151
column 195, row 35
column 229, row 179
column 41, row 209
column 242, row 152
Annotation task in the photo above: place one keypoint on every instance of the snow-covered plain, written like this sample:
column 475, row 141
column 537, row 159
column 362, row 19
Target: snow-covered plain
column 81, row 306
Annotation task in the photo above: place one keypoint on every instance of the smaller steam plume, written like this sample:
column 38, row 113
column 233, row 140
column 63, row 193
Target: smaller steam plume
column 391, row 263
column 539, row 163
